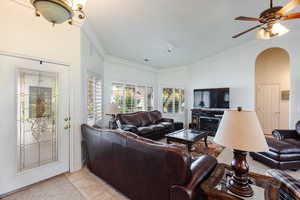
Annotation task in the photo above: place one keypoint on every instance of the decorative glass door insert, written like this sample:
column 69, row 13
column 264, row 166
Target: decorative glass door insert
column 37, row 143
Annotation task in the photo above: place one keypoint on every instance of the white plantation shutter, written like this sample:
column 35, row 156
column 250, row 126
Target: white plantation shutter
column 98, row 99
column 94, row 100
column 173, row 100
column 132, row 98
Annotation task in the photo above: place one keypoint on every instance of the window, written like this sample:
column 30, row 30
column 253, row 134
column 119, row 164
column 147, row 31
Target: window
column 132, row 98
column 173, row 100
column 94, row 100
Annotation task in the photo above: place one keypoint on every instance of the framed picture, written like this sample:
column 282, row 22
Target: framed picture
column 285, row 95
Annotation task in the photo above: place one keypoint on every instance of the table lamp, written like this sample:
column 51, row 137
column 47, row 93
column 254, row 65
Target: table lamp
column 241, row 131
column 112, row 111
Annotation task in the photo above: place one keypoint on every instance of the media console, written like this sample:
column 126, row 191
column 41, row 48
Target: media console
column 206, row 120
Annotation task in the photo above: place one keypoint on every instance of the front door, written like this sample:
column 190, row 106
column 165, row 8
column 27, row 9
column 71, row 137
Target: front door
column 34, row 122
column 268, row 106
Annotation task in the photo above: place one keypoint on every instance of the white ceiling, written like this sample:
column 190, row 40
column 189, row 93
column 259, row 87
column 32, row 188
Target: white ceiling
column 193, row 29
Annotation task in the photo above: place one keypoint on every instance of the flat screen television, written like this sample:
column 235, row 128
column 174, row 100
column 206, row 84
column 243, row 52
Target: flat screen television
column 217, row 98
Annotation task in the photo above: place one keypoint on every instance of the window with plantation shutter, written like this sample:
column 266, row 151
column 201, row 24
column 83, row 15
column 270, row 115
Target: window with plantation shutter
column 94, row 100
column 173, row 100
column 132, row 98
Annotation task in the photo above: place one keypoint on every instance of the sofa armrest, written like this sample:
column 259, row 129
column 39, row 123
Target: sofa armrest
column 97, row 126
column 284, row 134
column 201, row 169
column 167, row 120
column 130, row 128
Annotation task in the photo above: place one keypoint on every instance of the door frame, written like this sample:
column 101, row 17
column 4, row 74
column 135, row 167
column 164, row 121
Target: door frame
column 291, row 122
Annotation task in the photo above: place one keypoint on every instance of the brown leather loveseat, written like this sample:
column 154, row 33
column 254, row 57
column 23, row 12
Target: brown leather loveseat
column 284, row 150
column 143, row 169
column 147, row 124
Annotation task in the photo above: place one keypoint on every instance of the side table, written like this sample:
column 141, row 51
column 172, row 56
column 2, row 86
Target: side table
column 178, row 126
column 214, row 187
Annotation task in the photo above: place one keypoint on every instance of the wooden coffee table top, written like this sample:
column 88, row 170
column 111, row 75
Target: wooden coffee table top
column 187, row 135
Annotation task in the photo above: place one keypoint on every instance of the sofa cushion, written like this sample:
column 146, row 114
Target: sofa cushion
column 282, row 147
column 167, row 125
column 157, row 127
column 155, row 116
column 282, row 157
column 145, row 119
column 143, row 130
column 132, row 119
column 293, row 141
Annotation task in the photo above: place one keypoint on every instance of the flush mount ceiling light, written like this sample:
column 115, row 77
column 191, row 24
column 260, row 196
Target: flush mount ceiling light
column 59, row 11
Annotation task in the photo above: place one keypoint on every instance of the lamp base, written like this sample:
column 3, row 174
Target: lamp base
column 239, row 182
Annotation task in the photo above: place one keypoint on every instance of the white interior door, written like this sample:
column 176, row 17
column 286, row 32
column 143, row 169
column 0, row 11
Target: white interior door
column 34, row 122
column 268, row 106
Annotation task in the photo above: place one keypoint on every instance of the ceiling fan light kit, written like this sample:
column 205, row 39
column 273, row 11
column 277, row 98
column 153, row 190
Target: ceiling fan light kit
column 273, row 30
column 269, row 21
column 279, row 29
column 59, row 11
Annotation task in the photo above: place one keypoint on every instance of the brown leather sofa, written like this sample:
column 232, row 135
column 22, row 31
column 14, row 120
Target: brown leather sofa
column 147, row 124
column 284, row 150
column 144, row 169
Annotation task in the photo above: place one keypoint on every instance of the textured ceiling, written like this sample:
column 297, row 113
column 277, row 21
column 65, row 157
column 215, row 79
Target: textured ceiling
column 192, row 29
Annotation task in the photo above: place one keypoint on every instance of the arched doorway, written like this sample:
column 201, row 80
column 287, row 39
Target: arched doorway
column 272, row 80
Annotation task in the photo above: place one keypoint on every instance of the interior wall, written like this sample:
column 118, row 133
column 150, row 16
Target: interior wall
column 123, row 71
column 235, row 68
column 272, row 67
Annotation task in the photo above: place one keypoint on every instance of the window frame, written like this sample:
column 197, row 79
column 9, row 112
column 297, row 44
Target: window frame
column 95, row 116
column 134, row 100
column 181, row 109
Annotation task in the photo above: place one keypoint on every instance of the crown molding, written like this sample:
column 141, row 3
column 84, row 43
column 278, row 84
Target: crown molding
column 90, row 33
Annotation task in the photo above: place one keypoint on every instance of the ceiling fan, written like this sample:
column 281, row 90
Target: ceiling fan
column 269, row 20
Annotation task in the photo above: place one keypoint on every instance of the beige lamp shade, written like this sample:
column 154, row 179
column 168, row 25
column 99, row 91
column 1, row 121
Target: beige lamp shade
column 112, row 108
column 241, row 130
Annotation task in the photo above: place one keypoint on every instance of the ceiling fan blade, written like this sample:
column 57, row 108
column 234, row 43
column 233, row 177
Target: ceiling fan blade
column 250, row 29
column 242, row 18
column 288, row 7
column 291, row 16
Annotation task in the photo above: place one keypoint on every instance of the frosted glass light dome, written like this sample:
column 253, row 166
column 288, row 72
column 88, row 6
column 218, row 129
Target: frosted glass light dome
column 56, row 12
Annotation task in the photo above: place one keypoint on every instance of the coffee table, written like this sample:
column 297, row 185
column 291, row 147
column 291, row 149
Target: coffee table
column 187, row 137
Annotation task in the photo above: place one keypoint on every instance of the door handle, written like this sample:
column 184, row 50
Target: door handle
column 67, row 126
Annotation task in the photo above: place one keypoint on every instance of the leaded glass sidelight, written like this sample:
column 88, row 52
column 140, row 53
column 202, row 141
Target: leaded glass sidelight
column 37, row 118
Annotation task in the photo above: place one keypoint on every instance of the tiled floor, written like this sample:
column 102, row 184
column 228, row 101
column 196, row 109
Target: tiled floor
column 92, row 187
column 57, row 188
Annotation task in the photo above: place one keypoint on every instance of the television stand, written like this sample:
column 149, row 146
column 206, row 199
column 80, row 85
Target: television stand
column 206, row 120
